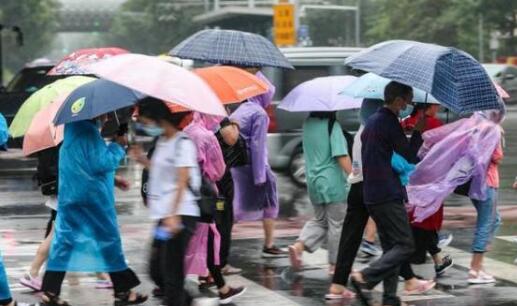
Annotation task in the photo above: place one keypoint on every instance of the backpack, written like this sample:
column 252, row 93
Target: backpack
column 47, row 171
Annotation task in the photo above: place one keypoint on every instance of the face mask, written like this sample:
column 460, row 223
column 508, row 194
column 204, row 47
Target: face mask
column 152, row 130
column 404, row 113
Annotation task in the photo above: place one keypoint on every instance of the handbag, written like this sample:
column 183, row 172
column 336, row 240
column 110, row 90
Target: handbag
column 208, row 199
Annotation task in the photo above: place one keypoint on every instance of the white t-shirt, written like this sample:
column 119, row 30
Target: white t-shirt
column 357, row 165
column 170, row 154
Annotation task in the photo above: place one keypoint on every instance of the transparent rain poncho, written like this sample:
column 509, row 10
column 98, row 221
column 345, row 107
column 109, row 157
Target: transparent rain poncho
column 87, row 237
column 451, row 156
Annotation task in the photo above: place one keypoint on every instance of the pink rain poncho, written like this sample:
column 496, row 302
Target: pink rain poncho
column 451, row 156
column 211, row 162
column 255, row 195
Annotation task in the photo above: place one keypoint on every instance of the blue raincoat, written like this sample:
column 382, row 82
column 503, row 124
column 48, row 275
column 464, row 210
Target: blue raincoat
column 87, row 237
column 4, row 131
column 5, row 293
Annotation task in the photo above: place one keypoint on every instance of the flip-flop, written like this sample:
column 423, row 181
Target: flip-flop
column 359, row 291
column 345, row 295
column 422, row 288
column 294, row 257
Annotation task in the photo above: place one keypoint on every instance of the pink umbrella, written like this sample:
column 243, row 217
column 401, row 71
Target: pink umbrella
column 74, row 63
column 501, row 92
column 42, row 133
column 157, row 78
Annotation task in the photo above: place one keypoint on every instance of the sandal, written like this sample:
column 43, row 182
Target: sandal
column 423, row 287
column 49, row 299
column 123, row 299
column 345, row 295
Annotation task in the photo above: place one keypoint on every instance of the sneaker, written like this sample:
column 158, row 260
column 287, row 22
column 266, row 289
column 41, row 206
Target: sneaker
column 230, row 270
column 480, row 277
column 446, row 264
column 232, row 293
column 444, row 240
column 103, row 284
column 370, row 249
column 30, row 282
column 274, row 252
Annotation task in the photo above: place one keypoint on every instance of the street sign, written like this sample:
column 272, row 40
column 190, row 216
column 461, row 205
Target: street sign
column 284, row 24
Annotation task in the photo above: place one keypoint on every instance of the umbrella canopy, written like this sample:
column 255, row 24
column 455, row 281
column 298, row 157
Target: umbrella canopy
column 40, row 99
column 371, row 86
column 320, row 94
column 501, row 92
column 454, row 77
column 73, row 64
column 157, row 78
column 229, row 47
column 42, row 133
column 232, row 84
column 94, row 99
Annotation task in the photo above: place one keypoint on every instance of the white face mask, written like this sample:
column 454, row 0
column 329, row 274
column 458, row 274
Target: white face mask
column 404, row 113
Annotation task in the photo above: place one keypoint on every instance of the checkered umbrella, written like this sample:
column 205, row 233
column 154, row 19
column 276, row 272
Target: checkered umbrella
column 454, row 77
column 228, row 47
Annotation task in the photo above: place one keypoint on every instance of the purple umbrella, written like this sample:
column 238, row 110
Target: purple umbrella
column 321, row 94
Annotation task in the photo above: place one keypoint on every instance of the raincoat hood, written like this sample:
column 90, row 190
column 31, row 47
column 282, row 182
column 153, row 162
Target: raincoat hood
column 209, row 122
column 265, row 99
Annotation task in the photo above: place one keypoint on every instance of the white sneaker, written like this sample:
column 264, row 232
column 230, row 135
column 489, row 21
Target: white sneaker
column 480, row 277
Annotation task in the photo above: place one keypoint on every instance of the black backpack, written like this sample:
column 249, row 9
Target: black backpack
column 47, row 171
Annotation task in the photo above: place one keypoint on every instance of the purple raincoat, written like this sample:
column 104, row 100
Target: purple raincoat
column 212, row 165
column 451, row 156
column 255, row 195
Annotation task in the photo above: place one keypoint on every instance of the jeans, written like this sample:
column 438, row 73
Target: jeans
column 325, row 226
column 351, row 234
column 488, row 221
column 397, row 244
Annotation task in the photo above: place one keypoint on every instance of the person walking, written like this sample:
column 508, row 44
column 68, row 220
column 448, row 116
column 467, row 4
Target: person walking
column 488, row 216
column 255, row 195
column 86, row 234
column 206, row 239
column 326, row 162
column 384, row 194
column 174, row 177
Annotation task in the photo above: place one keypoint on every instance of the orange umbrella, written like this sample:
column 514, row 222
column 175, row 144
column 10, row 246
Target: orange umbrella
column 42, row 133
column 232, row 84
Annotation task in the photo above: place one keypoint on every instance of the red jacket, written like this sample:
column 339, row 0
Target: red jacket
column 434, row 222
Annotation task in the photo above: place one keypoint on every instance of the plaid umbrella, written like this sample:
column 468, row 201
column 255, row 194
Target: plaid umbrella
column 228, row 47
column 452, row 76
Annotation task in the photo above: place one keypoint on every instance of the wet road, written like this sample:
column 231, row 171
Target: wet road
column 23, row 218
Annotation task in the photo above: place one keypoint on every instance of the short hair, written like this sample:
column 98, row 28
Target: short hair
column 158, row 110
column 396, row 90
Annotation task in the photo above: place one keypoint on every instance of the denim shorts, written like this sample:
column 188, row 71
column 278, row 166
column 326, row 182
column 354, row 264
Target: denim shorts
column 488, row 221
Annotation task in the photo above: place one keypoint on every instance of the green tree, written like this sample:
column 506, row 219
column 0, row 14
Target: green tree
column 152, row 26
column 501, row 15
column 37, row 19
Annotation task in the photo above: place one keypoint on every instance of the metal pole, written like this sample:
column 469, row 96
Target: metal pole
column 358, row 24
column 217, row 5
column 480, row 39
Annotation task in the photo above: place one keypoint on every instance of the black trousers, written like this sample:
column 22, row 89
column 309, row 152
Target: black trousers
column 224, row 221
column 6, row 301
column 215, row 271
column 425, row 241
column 123, row 281
column 397, row 244
column 167, row 263
column 351, row 235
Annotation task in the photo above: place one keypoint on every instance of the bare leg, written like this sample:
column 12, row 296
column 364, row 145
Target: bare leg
column 437, row 258
column 41, row 254
column 269, row 232
column 477, row 261
column 370, row 231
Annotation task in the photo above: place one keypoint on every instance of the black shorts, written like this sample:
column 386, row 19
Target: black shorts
column 53, row 214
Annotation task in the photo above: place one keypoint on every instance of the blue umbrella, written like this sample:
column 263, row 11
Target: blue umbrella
column 371, row 86
column 228, row 47
column 94, row 99
column 454, row 77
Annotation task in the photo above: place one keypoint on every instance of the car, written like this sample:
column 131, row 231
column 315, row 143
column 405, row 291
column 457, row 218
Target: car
column 284, row 139
column 506, row 76
column 28, row 80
